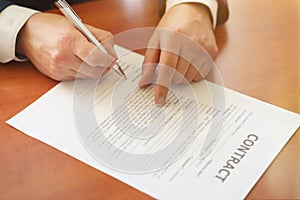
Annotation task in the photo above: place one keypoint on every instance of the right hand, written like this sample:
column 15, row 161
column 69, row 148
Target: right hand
column 60, row 51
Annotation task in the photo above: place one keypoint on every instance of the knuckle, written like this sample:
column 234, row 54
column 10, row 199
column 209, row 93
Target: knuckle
column 179, row 30
column 202, row 39
column 58, row 56
column 167, row 63
column 208, row 44
column 108, row 34
column 65, row 38
column 105, row 35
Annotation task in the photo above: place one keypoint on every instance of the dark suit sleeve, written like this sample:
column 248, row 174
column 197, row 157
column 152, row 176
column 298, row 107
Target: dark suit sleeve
column 223, row 12
column 4, row 4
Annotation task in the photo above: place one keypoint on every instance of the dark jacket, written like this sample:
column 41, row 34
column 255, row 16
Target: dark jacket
column 34, row 4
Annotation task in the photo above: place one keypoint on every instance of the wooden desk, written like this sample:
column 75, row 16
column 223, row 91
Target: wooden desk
column 260, row 57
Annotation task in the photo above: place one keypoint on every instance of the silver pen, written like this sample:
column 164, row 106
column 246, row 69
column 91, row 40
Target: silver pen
column 67, row 10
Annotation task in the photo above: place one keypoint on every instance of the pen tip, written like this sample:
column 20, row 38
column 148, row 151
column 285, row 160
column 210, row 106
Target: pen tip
column 121, row 70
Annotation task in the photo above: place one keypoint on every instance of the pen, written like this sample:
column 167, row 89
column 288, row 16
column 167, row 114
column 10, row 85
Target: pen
column 67, row 10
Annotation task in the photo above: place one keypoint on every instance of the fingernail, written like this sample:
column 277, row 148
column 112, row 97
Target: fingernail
column 160, row 101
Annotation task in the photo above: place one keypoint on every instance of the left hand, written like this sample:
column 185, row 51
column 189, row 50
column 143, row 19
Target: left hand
column 60, row 51
column 192, row 20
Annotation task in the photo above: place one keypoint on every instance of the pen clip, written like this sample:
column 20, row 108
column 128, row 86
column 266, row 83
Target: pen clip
column 64, row 5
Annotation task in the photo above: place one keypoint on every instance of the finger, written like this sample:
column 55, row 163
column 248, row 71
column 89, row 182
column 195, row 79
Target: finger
column 190, row 74
column 60, row 68
column 181, row 70
column 90, row 54
column 99, row 34
column 73, row 67
column 68, row 76
column 197, row 78
column 166, row 71
column 83, row 76
column 90, row 71
column 160, row 95
column 203, row 65
column 149, row 67
column 78, row 75
column 105, row 38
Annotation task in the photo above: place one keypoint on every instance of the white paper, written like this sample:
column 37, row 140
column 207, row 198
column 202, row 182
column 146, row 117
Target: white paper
column 252, row 134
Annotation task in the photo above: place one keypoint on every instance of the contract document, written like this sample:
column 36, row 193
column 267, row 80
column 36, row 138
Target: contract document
column 207, row 142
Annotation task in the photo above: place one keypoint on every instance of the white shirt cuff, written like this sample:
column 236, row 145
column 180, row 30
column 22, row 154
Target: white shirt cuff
column 211, row 4
column 12, row 20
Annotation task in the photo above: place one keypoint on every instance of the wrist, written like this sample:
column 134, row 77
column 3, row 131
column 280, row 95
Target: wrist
column 22, row 40
column 202, row 10
column 195, row 11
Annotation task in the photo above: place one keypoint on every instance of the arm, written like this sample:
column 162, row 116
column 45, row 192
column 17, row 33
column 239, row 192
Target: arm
column 52, row 44
column 12, row 19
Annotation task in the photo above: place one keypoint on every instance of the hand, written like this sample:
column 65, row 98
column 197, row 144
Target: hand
column 183, row 26
column 60, row 51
